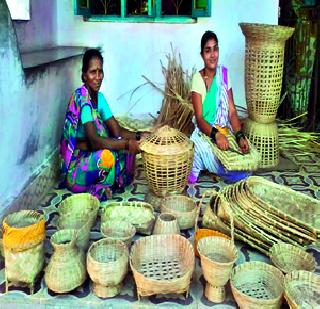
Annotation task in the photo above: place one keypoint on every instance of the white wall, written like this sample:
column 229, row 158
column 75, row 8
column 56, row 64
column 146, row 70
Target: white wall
column 135, row 49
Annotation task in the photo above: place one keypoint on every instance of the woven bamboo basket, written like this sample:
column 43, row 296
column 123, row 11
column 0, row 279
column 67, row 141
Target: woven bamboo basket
column 167, row 155
column 118, row 230
column 107, row 265
column 288, row 258
column 257, row 285
column 66, row 269
column 162, row 264
column 166, row 224
column 218, row 256
column 23, row 235
column 182, row 207
column 302, row 289
column 264, row 68
column 153, row 200
column 79, row 212
column 264, row 137
column 236, row 160
column 139, row 214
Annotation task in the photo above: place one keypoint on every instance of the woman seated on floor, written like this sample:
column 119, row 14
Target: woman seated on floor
column 215, row 114
column 98, row 155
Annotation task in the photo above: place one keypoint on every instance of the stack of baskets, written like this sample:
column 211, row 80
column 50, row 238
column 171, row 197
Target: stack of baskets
column 264, row 213
column 167, row 156
column 263, row 80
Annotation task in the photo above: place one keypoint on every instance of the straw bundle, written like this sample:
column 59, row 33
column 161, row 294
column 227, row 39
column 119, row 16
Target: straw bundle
column 302, row 289
column 288, row 258
column 257, row 285
column 159, row 271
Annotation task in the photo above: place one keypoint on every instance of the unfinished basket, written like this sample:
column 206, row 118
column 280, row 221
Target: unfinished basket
column 153, row 200
column 107, row 265
column 302, row 289
column 264, row 68
column 257, row 285
column 218, row 256
column 79, row 211
column 235, row 160
column 162, row 264
column 139, row 214
column 288, row 258
column 184, row 208
column 167, row 156
column 166, row 224
column 264, row 137
column 118, row 230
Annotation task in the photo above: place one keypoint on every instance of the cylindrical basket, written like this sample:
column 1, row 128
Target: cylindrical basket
column 166, row 224
column 265, row 139
column 162, row 264
column 183, row 207
column 257, row 285
column 107, row 265
column 118, row 230
column 264, row 68
column 167, row 156
column 217, row 256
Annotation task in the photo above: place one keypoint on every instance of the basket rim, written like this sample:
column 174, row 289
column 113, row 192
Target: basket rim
column 30, row 213
column 131, row 229
column 173, row 197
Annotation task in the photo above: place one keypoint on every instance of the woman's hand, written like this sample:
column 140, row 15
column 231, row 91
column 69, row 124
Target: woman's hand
column 243, row 144
column 222, row 142
column 133, row 146
column 145, row 134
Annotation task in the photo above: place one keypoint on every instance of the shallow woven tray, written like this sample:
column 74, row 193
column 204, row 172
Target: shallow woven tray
column 120, row 211
column 184, row 208
column 288, row 258
column 233, row 161
column 302, row 289
column 162, row 264
column 257, row 285
column 118, row 230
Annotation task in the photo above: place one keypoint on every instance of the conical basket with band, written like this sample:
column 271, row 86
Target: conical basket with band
column 167, row 156
column 264, row 68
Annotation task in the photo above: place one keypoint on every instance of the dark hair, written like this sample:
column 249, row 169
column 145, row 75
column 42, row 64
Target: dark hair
column 88, row 55
column 208, row 35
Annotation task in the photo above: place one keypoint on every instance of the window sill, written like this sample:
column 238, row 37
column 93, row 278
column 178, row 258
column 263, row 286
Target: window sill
column 141, row 19
column 43, row 57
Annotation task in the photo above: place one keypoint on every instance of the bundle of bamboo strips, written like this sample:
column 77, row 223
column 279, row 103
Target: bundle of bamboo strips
column 176, row 110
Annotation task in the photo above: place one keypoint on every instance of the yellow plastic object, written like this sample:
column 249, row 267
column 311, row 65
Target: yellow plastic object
column 107, row 159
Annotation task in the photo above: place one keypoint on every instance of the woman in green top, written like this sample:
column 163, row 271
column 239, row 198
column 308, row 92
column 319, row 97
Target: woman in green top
column 215, row 114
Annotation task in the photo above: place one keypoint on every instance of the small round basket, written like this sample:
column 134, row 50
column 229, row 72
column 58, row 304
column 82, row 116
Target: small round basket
column 302, row 289
column 265, row 138
column 162, row 264
column 167, row 156
column 257, row 285
column 118, row 230
column 217, row 256
column 183, row 207
column 166, row 224
column 288, row 258
column 107, row 265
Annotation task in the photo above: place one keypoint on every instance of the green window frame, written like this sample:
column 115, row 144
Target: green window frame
column 153, row 12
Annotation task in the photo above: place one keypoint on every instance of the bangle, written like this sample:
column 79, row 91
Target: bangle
column 239, row 134
column 213, row 133
column 138, row 136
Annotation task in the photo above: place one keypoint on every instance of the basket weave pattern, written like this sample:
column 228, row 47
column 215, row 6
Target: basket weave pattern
column 167, row 156
column 166, row 224
column 159, row 271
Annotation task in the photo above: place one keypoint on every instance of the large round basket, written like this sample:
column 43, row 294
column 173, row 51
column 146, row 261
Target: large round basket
column 118, row 230
column 184, row 208
column 264, row 137
column 107, row 265
column 302, row 289
column 167, row 156
column 162, row 264
column 217, row 256
column 264, row 68
column 288, row 258
column 257, row 285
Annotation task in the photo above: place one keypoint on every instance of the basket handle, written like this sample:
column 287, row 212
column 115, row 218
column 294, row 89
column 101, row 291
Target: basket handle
column 204, row 195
